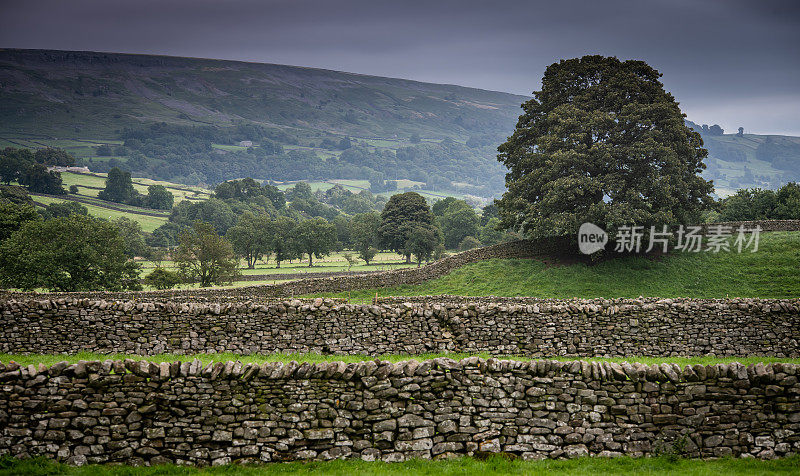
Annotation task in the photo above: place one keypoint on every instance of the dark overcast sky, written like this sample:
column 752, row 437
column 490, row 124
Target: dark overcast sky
column 733, row 62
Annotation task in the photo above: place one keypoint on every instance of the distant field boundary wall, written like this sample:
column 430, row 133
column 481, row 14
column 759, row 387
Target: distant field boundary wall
column 144, row 413
column 525, row 327
column 370, row 280
column 268, row 292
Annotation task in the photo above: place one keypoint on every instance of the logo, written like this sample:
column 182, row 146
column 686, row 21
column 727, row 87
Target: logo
column 591, row 238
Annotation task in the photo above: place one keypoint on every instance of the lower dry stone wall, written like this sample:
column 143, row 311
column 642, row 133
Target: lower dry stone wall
column 146, row 413
column 539, row 328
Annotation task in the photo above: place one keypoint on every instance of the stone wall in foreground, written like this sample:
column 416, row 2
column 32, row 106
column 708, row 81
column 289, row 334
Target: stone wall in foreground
column 620, row 327
column 146, row 413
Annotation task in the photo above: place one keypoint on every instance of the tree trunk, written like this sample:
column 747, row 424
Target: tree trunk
column 310, row 260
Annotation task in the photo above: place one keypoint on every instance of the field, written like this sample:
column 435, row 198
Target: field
column 92, row 184
column 89, row 185
column 771, row 272
column 663, row 465
column 148, row 223
column 50, row 359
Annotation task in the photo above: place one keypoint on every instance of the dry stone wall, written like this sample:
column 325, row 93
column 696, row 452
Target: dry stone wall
column 531, row 327
column 147, row 413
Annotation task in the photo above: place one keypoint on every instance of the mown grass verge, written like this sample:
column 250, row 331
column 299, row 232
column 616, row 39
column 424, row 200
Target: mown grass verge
column 771, row 272
column 49, row 359
column 462, row 466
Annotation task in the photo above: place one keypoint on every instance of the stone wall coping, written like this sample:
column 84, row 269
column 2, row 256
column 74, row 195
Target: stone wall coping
column 529, row 305
column 377, row 369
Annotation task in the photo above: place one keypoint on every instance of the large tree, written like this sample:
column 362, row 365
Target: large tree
column 40, row 180
column 402, row 213
column 205, row 257
column 602, row 142
column 74, row 253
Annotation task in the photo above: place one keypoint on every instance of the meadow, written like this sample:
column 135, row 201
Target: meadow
column 771, row 272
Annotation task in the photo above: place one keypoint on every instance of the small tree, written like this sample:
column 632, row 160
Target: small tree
column 367, row 254
column 315, row 237
column 73, row 189
column 468, row 243
column 205, row 257
column 351, row 260
column 162, row 278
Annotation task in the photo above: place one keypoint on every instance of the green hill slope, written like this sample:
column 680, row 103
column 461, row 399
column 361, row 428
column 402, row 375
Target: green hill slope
column 771, row 272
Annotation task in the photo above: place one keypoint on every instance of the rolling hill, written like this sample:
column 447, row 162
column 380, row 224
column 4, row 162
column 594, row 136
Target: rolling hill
column 201, row 121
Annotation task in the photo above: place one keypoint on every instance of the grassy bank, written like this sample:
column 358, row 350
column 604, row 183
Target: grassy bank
column 49, row 359
column 461, row 466
column 771, row 272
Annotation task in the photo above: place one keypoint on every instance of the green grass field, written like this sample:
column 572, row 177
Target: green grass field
column 148, row 223
column 497, row 465
column 335, row 262
column 98, row 181
column 771, row 272
column 50, row 359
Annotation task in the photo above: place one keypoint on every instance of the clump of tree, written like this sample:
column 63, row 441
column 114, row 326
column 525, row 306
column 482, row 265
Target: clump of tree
column 205, row 257
column 457, row 221
column 72, row 253
column 248, row 188
column 31, row 169
column 63, row 209
column 758, row 204
column 602, row 142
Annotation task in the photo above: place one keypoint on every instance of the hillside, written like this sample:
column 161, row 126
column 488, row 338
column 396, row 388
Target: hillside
column 749, row 160
column 184, row 120
column 298, row 117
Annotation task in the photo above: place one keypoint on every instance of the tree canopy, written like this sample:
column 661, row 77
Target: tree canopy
column 402, row 213
column 205, row 257
column 74, row 253
column 315, row 237
column 602, row 142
